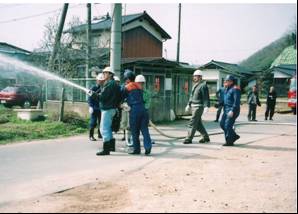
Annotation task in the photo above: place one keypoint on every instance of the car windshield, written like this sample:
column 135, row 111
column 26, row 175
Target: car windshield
column 10, row 89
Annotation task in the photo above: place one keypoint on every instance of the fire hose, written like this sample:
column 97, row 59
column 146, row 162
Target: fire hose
column 219, row 132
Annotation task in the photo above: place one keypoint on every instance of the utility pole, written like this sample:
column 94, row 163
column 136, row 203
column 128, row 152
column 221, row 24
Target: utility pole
column 178, row 42
column 58, row 37
column 88, row 53
column 116, row 30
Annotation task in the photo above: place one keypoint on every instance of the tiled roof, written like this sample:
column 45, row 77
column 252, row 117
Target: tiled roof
column 107, row 23
column 288, row 56
column 228, row 67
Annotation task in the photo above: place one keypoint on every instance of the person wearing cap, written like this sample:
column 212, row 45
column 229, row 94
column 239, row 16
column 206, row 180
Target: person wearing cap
column 199, row 103
column 138, row 116
column 109, row 100
column 231, row 103
column 94, row 110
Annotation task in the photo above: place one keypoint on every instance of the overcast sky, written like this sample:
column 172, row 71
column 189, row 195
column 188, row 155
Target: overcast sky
column 223, row 32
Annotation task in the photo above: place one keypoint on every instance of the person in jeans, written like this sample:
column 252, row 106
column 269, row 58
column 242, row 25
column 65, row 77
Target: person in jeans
column 271, row 102
column 109, row 99
column 253, row 101
column 199, row 103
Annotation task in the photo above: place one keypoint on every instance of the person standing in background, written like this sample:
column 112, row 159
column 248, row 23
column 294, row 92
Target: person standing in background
column 253, row 101
column 271, row 102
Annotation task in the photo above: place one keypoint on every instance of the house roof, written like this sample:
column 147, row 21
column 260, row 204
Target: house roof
column 107, row 23
column 227, row 67
column 11, row 49
column 158, row 61
column 287, row 56
column 288, row 69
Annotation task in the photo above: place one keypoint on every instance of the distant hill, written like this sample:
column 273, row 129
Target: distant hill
column 262, row 59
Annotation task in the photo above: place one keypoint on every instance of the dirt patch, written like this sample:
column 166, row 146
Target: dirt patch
column 102, row 197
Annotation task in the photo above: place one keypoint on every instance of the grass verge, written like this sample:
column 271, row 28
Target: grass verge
column 14, row 130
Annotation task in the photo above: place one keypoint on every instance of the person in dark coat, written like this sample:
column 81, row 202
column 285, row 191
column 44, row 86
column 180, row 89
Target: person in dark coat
column 253, row 101
column 218, row 105
column 271, row 102
column 94, row 109
column 109, row 101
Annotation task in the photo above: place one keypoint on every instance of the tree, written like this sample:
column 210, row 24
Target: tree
column 65, row 63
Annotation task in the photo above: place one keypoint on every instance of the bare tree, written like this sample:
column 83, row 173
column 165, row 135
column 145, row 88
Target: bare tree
column 66, row 61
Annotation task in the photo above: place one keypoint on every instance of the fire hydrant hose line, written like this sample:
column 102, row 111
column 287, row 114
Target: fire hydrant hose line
column 220, row 132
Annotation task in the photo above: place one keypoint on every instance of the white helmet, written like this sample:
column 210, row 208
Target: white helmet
column 116, row 78
column 108, row 69
column 100, row 77
column 198, row 73
column 140, row 78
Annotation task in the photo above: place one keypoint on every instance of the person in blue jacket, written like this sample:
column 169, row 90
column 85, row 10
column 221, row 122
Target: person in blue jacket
column 138, row 115
column 94, row 110
column 218, row 105
column 231, row 103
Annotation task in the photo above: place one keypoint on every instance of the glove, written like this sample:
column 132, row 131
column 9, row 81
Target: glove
column 187, row 109
column 230, row 114
column 125, row 107
column 206, row 109
column 91, row 110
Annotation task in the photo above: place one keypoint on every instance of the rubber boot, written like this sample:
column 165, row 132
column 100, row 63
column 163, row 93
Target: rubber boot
column 112, row 145
column 91, row 135
column 99, row 134
column 106, row 149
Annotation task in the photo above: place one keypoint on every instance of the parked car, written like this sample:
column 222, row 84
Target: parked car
column 292, row 99
column 24, row 96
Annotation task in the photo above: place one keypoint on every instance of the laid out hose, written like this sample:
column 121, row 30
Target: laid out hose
column 217, row 133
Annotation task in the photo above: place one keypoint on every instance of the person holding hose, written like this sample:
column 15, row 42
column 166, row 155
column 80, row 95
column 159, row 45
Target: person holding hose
column 109, row 99
column 199, row 103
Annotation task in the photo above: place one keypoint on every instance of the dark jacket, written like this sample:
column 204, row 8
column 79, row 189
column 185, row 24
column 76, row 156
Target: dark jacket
column 232, row 96
column 220, row 96
column 93, row 100
column 110, row 96
column 199, row 95
column 271, row 98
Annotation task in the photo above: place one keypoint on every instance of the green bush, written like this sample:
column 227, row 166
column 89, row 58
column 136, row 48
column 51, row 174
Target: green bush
column 3, row 119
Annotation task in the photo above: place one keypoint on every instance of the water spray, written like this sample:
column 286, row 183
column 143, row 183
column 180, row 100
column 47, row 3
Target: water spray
column 15, row 63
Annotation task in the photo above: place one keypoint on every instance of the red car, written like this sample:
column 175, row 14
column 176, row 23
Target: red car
column 24, row 96
column 292, row 99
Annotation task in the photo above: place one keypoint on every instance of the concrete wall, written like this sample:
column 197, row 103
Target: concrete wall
column 79, row 107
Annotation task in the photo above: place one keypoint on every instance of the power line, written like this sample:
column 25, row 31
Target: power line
column 32, row 16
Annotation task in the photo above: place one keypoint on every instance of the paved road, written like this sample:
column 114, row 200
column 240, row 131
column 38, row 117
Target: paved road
column 32, row 169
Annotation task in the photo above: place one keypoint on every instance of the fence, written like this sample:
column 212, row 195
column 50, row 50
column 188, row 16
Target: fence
column 54, row 88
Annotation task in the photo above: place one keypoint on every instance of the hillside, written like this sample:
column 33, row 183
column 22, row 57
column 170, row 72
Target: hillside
column 262, row 59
